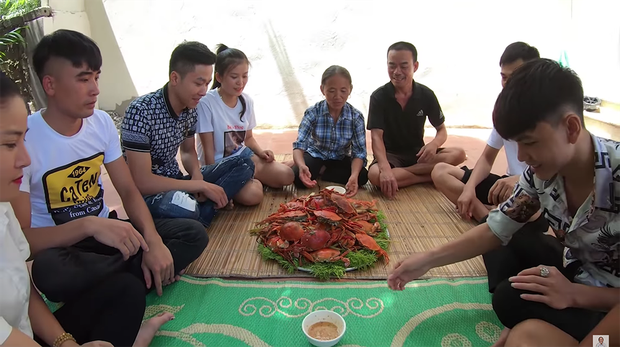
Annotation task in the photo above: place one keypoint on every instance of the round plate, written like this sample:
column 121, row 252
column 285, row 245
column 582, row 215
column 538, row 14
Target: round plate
column 341, row 190
column 305, row 269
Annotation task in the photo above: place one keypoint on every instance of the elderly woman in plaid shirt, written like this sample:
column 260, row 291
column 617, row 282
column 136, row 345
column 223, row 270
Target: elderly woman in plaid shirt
column 331, row 140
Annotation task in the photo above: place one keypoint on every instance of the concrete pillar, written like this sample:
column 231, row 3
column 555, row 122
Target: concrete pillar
column 117, row 87
column 90, row 18
column 68, row 14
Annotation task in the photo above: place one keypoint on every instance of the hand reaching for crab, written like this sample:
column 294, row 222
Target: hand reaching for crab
column 408, row 270
column 352, row 186
column 306, row 177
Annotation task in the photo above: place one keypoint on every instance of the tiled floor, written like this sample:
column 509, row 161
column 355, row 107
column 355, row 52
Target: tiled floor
column 280, row 142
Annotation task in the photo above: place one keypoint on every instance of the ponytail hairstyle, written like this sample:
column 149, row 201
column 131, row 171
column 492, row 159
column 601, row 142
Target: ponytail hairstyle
column 227, row 59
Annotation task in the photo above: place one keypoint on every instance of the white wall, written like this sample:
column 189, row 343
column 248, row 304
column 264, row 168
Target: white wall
column 291, row 43
column 594, row 46
column 68, row 14
column 89, row 17
column 459, row 44
column 115, row 84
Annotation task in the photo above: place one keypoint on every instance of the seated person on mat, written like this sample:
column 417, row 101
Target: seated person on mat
column 470, row 190
column 538, row 333
column 476, row 192
column 332, row 137
column 160, row 124
column 225, row 122
column 112, row 311
column 396, row 118
column 75, row 240
column 570, row 280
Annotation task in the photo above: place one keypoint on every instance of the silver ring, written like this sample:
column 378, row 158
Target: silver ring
column 544, row 272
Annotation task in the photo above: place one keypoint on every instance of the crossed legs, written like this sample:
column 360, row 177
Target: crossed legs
column 448, row 180
column 419, row 172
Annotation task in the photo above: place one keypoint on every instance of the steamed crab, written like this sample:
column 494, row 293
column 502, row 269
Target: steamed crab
column 321, row 227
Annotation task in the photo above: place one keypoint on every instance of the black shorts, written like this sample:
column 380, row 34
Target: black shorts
column 402, row 160
column 483, row 188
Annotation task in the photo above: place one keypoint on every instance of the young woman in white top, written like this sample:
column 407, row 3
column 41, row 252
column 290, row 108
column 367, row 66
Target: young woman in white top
column 225, row 122
column 112, row 312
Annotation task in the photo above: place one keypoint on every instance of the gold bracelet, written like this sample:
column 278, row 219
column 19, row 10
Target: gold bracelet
column 64, row 337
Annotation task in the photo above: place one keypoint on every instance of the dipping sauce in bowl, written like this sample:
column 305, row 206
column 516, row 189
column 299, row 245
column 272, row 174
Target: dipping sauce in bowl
column 324, row 328
column 323, row 331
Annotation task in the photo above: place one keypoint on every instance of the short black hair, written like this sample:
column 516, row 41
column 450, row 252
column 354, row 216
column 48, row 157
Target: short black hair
column 76, row 47
column 518, row 50
column 539, row 91
column 404, row 46
column 187, row 55
column 8, row 88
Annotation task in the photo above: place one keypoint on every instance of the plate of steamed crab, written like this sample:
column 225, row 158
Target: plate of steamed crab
column 324, row 230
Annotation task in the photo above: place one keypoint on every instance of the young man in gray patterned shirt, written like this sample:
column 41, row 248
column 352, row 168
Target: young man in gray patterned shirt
column 161, row 124
column 570, row 280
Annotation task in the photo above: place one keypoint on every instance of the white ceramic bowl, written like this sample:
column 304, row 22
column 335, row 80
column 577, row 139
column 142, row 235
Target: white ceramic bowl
column 341, row 190
column 324, row 316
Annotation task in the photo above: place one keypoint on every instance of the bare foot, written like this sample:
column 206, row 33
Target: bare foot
column 178, row 277
column 230, row 205
column 150, row 327
column 502, row 338
column 289, row 163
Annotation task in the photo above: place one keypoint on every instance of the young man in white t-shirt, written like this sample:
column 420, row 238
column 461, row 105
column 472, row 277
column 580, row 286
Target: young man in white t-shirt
column 76, row 241
column 111, row 312
column 472, row 190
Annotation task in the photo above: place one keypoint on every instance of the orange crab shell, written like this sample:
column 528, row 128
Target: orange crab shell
column 328, row 255
column 291, row 231
column 325, row 254
column 369, row 228
column 315, row 239
column 328, row 215
column 370, row 243
column 276, row 242
column 291, row 205
column 343, row 203
column 283, row 216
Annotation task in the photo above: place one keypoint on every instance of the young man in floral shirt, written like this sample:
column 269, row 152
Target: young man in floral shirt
column 569, row 281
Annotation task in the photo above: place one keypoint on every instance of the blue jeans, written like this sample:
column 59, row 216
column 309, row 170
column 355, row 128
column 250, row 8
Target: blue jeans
column 231, row 174
column 246, row 153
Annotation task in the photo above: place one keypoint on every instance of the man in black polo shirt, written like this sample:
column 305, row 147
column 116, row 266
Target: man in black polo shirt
column 157, row 125
column 398, row 111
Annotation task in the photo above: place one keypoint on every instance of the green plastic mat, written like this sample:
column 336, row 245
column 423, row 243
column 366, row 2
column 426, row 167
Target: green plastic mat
column 215, row 312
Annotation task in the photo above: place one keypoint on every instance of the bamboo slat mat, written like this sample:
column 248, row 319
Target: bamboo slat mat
column 419, row 219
